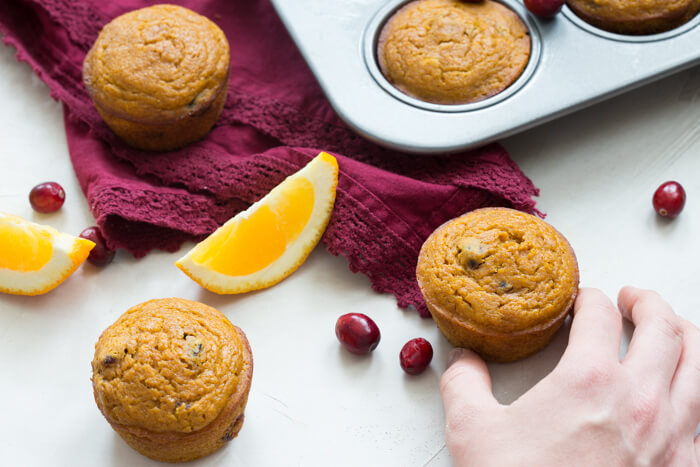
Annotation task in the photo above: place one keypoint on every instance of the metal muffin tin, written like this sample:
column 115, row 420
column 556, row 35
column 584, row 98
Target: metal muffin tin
column 572, row 65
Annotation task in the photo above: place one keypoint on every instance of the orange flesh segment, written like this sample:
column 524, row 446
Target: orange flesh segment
column 294, row 207
column 23, row 249
column 256, row 241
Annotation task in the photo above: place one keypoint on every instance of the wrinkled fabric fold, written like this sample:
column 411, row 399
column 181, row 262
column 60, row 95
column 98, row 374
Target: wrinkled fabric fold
column 275, row 120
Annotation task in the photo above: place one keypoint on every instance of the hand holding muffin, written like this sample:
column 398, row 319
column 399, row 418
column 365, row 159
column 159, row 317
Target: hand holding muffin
column 593, row 409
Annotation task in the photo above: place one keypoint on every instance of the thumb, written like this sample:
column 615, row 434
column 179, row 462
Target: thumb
column 465, row 388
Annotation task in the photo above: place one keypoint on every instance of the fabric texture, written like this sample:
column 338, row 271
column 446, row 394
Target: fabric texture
column 275, row 120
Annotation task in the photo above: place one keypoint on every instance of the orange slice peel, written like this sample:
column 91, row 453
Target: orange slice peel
column 262, row 245
column 34, row 258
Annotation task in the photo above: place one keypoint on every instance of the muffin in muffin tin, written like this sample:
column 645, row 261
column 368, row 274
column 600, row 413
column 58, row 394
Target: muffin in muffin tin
column 635, row 17
column 452, row 52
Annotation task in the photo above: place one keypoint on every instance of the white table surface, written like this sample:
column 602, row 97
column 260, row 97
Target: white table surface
column 312, row 403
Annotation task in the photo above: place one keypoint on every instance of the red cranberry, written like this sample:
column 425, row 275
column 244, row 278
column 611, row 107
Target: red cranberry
column 357, row 332
column 415, row 356
column 669, row 199
column 47, row 197
column 101, row 254
column 544, row 8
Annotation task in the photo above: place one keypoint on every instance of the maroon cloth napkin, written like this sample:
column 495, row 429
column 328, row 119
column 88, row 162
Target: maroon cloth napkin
column 275, row 120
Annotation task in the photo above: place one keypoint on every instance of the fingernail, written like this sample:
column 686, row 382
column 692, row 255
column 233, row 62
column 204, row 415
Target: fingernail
column 455, row 354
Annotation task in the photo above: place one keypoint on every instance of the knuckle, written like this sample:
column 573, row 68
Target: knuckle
column 460, row 412
column 695, row 371
column 458, row 443
column 647, row 294
column 690, row 327
column 645, row 410
column 457, row 424
column 691, row 337
column 446, row 377
column 692, row 347
column 607, row 307
column 608, row 312
column 670, row 326
column 594, row 375
column 450, row 376
column 460, row 422
column 466, row 429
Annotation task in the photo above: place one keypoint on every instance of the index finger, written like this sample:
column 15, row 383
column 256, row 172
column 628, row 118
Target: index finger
column 596, row 327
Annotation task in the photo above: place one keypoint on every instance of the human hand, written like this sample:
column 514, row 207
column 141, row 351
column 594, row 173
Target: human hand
column 592, row 409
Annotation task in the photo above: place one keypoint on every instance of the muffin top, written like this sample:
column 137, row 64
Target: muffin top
column 635, row 16
column 499, row 270
column 160, row 62
column 168, row 365
column 453, row 52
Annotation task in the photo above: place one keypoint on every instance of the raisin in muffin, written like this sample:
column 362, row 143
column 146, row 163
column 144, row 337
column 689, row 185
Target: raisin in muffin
column 172, row 377
column 453, row 52
column 635, row 17
column 158, row 76
column 498, row 281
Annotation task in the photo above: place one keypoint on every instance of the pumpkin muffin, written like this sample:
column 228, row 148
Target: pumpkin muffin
column 635, row 17
column 172, row 377
column 498, row 281
column 158, row 76
column 453, row 52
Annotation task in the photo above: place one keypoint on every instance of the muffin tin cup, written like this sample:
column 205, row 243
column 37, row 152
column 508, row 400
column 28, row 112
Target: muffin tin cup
column 371, row 38
column 572, row 65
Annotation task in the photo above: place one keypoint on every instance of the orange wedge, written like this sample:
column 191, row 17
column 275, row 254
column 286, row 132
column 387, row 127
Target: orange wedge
column 34, row 258
column 267, row 242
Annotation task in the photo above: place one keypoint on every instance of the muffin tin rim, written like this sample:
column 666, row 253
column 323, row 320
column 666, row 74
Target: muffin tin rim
column 564, row 82
column 629, row 38
column 370, row 37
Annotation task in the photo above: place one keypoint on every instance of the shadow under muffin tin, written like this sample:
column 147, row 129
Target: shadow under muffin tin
column 572, row 64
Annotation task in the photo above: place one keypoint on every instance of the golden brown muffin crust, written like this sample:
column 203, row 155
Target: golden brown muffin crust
column 635, row 16
column 500, row 270
column 157, row 63
column 167, row 365
column 453, row 52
